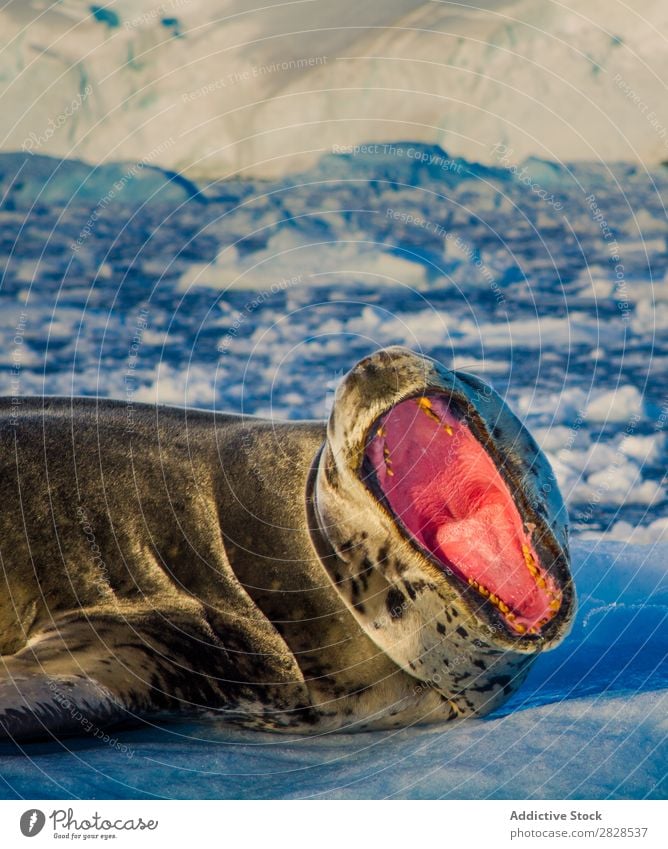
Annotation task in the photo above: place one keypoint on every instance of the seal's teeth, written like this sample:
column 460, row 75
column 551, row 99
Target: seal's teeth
column 380, row 432
column 425, row 405
column 531, row 563
column 528, row 557
column 388, row 462
column 555, row 604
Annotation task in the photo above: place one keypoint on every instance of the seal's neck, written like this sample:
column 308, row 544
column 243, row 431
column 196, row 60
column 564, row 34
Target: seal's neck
column 408, row 614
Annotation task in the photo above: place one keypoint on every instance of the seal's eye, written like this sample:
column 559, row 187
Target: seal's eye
column 445, row 491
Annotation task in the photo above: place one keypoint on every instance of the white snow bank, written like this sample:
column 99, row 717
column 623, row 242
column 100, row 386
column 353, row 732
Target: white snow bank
column 656, row 531
column 618, row 405
column 289, row 260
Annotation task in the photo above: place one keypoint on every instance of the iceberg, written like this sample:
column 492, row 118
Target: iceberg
column 215, row 89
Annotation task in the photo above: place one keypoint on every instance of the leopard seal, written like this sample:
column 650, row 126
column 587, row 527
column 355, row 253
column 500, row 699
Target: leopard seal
column 404, row 562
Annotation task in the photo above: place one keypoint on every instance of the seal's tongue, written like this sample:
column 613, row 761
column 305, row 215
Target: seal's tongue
column 446, row 491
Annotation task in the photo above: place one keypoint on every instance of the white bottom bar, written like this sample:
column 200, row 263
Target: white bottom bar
column 339, row 825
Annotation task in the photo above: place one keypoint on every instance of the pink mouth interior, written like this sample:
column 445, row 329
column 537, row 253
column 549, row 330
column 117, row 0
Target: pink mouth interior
column 447, row 492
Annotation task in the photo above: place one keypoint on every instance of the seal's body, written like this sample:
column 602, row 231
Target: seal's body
column 158, row 561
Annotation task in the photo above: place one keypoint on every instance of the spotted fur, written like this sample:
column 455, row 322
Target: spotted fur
column 181, row 562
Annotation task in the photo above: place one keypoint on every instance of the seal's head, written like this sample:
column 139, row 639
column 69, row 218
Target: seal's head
column 446, row 532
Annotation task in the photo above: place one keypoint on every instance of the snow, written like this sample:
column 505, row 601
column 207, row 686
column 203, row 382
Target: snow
column 616, row 405
column 215, row 89
column 319, row 263
column 590, row 723
column 622, row 530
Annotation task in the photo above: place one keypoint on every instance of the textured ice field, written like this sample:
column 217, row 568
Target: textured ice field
column 256, row 297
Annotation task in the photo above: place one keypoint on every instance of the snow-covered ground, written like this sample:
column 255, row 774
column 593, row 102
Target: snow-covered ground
column 221, row 87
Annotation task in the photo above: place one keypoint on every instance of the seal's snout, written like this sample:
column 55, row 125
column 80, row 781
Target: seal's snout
column 373, row 385
column 382, row 359
column 382, row 372
column 382, row 379
column 388, row 362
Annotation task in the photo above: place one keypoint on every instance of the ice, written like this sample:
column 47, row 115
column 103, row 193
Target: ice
column 289, row 260
column 644, row 448
column 654, row 532
column 616, row 405
column 650, row 317
column 30, row 178
column 259, row 294
column 513, row 79
column 535, row 333
column 589, row 723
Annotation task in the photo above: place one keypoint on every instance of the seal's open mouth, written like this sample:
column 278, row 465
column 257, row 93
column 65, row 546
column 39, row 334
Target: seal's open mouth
column 447, row 493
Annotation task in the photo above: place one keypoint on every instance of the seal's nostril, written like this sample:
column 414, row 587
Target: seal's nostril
column 373, row 366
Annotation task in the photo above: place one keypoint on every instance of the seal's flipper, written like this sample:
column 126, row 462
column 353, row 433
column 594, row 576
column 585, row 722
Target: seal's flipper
column 80, row 675
column 38, row 706
column 86, row 674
